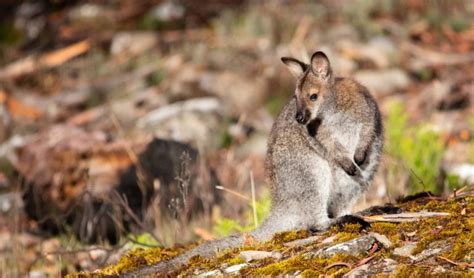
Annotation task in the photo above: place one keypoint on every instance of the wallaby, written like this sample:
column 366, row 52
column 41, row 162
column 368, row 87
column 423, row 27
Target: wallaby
column 323, row 151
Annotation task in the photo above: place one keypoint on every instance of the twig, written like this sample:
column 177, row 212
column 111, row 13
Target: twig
column 403, row 217
column 462, row 264
column 124, row 204
column 52, row 59
column 365, row 260
column 220, row 187
column 254, row 203
column 348, row 265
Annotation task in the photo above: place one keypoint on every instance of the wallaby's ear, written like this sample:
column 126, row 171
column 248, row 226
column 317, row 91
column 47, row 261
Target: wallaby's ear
column 320, row 65
column 297, row 68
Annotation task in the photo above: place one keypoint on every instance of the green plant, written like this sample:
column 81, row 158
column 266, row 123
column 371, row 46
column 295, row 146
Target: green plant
column 418, row 149
column 226, row 226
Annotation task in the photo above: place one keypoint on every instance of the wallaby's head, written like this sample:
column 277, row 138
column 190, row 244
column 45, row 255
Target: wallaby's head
column 313, row 85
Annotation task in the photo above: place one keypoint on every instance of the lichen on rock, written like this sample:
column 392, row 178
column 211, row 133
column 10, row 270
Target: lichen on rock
column 439, row 244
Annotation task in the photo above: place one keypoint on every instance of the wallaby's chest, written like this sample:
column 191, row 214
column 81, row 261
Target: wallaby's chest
column 343, row 129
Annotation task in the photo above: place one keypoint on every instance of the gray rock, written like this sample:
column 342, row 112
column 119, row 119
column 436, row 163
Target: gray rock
column 406, row 250
column 381, row 51
column 235, row 268
column 212, row 273
column 382, row 239
column 302, row 242
column 352, row 247
column 383, row 81
column 373, row 268
column 167, row 11
column 432, row 249
column 194, row 121
column 132, row 43
column 253, row 255
column 464, row 171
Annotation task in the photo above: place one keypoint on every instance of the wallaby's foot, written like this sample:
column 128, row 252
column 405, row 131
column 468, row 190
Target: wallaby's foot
column 387, row 209
column 351, row 219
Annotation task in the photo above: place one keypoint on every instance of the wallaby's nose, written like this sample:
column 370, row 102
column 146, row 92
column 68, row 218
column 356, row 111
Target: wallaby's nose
column 299, row 117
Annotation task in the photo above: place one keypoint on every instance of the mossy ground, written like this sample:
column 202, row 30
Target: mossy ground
column 456, row 230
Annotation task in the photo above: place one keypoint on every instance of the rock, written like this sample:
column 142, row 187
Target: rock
column 302, row 242
column 238, row 92
column 381, row 51
column 195, row 121
column 442, row 95
column 256, row 144
column 385, row 266
column 406, row 250
column 7, row 201
column 252, row 255
column 132, row 43
column 37, row 274
column 352, row 247
column 432, row 249
column 464, row 171
column 382, row 239
column 212, row 273
column 89, row 12
column 383, row 81
column 235, row 268
column 167, row 11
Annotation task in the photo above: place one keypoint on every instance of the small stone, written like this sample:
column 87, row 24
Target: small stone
column 167, row 11
column 132, row 43
column 383, row 81
column 252, row 255
column 235, row 268
column 382, row 239
column 386, row 266
column 212, row 273
column 406, row 250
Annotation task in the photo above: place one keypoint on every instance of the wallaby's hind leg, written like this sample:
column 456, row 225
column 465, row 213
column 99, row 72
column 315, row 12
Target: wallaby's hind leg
column 346, row 191
column 301, row 199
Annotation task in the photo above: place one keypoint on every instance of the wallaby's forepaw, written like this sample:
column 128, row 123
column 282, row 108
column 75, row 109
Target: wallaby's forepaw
column 360, row 157
column 352, row 219
column 387, row 209
column 348, row 166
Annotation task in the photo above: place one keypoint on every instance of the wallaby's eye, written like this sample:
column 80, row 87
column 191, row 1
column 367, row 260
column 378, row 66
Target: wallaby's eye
column 313, row 97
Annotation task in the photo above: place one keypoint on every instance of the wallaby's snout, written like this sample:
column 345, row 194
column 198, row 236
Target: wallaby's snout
column 302, row 116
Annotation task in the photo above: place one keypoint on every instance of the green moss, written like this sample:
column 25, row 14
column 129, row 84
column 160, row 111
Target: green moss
column 140, row 257
column 390, row 230
column 407, row 271
column 456, row 230
column 280, row 238
column 314, row 266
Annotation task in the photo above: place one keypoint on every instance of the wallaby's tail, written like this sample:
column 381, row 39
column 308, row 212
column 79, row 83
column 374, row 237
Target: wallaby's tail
column 207, row 249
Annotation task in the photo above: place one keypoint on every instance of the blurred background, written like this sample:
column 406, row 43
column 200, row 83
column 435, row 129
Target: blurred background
column 128, row 124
